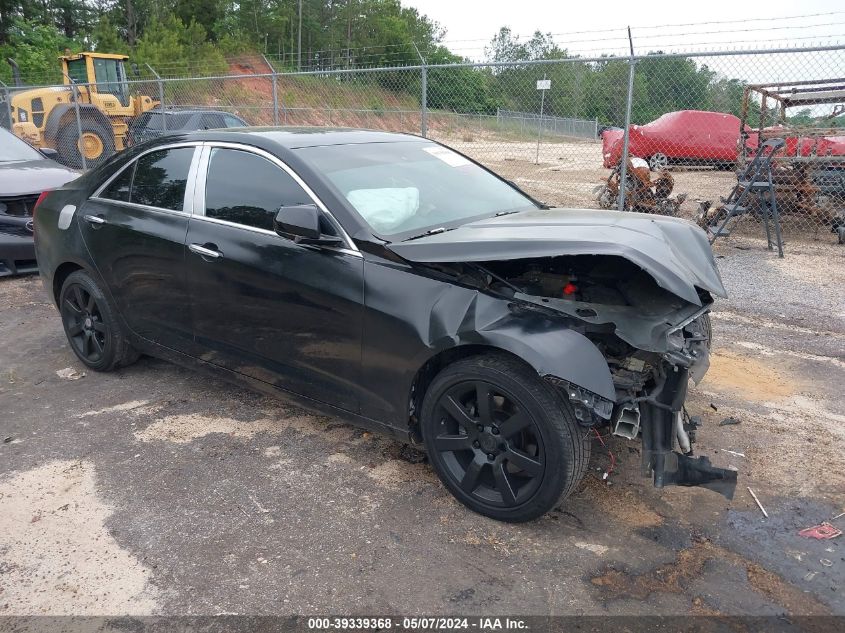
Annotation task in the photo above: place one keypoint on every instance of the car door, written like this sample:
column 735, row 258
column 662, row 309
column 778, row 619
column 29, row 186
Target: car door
column 263, row 305
column 134, row 228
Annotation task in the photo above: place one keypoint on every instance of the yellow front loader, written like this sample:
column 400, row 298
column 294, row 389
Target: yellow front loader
column 46, row 117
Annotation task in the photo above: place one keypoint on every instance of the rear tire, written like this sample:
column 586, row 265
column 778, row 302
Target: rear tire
column 501, row 439
column 91, row 325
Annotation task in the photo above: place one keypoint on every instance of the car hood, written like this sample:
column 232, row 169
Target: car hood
column 25, row 177
column 674, row 252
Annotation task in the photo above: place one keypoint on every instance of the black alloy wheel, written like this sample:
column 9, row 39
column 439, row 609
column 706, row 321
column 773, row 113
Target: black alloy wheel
column 91, row 325
column 489, row 444
column 84, row 325
column 501, row 439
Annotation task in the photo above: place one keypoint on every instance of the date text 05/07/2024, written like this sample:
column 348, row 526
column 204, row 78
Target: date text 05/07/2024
column 417, row 623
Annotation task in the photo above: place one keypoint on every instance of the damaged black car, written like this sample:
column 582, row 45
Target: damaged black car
column 390, row 281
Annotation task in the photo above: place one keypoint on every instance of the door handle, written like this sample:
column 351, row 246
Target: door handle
column 204, row 252
column 94, row 219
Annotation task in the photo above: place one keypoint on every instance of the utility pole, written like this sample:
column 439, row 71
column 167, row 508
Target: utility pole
column 299, row 43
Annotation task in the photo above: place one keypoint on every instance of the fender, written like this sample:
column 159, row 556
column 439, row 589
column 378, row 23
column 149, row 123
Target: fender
column 422, row 317
column 466, row 317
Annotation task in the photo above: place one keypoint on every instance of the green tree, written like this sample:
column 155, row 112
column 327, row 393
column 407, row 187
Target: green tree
column 35, row 48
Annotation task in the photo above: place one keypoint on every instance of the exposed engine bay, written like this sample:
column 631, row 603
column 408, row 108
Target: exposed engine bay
column 654, row 342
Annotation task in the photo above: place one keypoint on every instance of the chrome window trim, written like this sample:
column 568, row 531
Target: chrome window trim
column 190, row 182
column 194, row 164
column 142, row 207
column 255, row 229
column 199, row 196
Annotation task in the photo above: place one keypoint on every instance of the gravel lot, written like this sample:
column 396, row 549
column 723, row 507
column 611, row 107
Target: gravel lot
column 155, row 490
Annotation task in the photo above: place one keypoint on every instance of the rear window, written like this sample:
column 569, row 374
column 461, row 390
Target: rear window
column 174, row 121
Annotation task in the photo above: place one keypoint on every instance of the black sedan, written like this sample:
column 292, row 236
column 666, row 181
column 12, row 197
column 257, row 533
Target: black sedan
column 390, row 281
column 25, row 173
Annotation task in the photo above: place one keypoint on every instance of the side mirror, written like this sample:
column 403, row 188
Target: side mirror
column 49, row 152
column 301, row 223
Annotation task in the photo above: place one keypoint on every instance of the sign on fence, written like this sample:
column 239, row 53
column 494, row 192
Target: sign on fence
column 544, row 84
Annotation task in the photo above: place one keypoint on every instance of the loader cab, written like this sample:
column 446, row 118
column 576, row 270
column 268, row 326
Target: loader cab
column 105, row 72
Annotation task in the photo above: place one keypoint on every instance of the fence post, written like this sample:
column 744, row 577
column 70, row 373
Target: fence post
column 7, row 96
column 275, row 101
column 424, row 103
column 623, row 173
column 540, row 125
column 160, row 97
column 79, row 144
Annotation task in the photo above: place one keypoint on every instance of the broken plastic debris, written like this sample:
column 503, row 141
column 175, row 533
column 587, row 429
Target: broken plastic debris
column 69, row 373
column 822, row 531
column 826, row 562
column 724, row 450
column 730, row 420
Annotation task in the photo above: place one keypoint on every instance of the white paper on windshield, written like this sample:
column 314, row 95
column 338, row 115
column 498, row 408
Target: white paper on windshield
column 385, row 209
column 453, row 159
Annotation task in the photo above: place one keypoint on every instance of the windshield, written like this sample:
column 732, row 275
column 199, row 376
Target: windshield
column 407, row 188
column 14, row 149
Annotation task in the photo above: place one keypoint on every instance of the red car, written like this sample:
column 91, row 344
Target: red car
column 695, row 137
column 687, row 136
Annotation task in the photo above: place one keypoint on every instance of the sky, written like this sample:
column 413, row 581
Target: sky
column 591, row 28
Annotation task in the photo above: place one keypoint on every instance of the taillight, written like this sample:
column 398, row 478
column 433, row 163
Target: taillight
column 39, row 201
column 35, row 207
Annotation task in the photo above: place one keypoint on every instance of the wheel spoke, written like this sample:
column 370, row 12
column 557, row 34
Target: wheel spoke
column 503, row 485
column 86, row 344
column 451, row 443
column 519, row 421
column 70, row 304
column 522, row 461
column 458, row 413
column 484, row 401
column 470, row 478
column 97, row 343
column 99, row 326
column 74, row 328
column 91, row 303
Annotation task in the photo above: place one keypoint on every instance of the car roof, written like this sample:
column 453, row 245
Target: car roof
column 157, row 111
column 299, row 137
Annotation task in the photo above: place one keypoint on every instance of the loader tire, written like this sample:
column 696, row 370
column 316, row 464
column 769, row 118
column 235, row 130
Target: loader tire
column 97, row 142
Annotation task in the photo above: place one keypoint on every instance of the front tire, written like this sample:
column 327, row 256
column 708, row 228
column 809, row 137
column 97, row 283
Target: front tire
column 96, row 142
column 91, row 325
column 501, row 439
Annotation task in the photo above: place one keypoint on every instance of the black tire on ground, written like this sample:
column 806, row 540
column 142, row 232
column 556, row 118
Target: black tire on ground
column 67, row 143
column 501, row 439
column 91, row 325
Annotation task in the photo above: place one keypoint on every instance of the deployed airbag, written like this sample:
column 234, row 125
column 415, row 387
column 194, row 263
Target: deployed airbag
column 387, row 208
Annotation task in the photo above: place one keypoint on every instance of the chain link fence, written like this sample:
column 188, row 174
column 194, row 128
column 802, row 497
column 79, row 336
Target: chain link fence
column 662, row 133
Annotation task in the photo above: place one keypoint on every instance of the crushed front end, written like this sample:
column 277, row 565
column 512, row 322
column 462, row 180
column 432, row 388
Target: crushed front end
column 654, row 342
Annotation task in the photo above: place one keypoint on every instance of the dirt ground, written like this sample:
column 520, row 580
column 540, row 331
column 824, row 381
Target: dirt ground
column 155, row 490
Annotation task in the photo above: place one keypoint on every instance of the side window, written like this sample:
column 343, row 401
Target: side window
column 247, row 189
column 160, row 178
column 231, row 121
column 118, row 188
